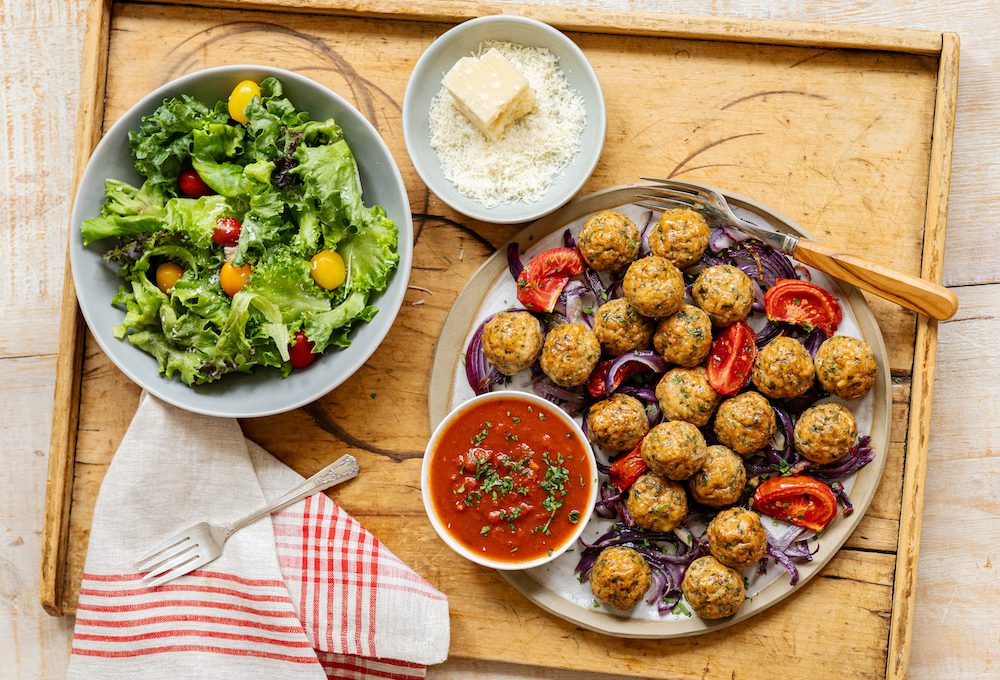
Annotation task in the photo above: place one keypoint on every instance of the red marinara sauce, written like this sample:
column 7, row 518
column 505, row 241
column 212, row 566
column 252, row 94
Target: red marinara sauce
column 510, row 480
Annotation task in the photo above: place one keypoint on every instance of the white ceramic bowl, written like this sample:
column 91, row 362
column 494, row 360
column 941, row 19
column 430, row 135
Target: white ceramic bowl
column 463, row 40
column 425, row 480
column 263, row 392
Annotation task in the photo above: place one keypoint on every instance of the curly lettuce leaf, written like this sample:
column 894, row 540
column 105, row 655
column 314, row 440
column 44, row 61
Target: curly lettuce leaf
column 263, row 225
column 121, row 198
column 217, row 142
column 171, row 359
column 142, row 301
column 371, row 254
column 123, row 226
column 162, row 145
column 333, row 327
column 197, row 218
column 269, row 120
column 201, row 297
column 284, row 280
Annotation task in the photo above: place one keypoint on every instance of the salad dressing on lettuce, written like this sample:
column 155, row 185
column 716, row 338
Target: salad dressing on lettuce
column 292, row 184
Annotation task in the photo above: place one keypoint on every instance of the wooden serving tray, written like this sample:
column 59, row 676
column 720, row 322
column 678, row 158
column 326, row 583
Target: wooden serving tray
column 847, row 130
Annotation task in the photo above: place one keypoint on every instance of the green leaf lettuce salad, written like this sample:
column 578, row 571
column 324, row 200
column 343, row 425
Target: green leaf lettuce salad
column 293, row 186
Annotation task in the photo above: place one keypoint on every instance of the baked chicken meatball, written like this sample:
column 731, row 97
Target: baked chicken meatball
column 783, row 369
column 685, row 337
column 617, row 423
column 713, row 590
column 654, row 286
column 745, row 423
column 684, row 394
column 826, row 432
column 570, row 353
column 656, row 503
column 720, row 480
column 737, row 538
column 724, row 292
column 845, row 366
column 620, row 577
column 512, row 341
column 681, row 236
column 608, row 241
column 620, row 328
column 674, row 449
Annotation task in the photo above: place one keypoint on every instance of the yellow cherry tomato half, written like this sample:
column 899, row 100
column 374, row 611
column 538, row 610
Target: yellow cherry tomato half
column 232, row 278
column 167, row 274
column 328, row 270
column 244, row 91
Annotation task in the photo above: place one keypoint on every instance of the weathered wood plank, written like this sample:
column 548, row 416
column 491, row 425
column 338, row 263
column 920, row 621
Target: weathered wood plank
column 955, row 627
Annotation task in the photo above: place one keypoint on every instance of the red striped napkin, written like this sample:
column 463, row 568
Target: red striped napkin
column 307, row 593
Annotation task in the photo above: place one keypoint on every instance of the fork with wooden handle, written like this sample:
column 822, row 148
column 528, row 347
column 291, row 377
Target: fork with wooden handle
column 922, row 296
column 201, row 543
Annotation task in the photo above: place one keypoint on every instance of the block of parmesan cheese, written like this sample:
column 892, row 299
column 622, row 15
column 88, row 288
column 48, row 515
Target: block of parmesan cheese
column 490, row 91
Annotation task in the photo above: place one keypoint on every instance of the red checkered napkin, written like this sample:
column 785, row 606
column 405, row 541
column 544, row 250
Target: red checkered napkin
column 307, row 593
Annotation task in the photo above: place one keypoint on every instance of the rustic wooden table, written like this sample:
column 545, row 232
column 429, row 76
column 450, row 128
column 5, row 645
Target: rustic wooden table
column 956, row 627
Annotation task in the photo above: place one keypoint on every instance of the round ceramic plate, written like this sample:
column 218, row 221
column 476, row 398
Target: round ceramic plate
column 262, row 392
column 555, row 587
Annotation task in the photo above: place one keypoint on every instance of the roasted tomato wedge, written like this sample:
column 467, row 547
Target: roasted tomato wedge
column 803, row 303
column 539, row 285
column 731, row 358
column 598, row 380
column 627, row 469
column 597, row 383
column 799, row 500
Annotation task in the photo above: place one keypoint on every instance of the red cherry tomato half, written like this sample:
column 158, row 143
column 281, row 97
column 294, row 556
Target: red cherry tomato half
column 731, row 358
column 227, row 233
column 598, row 380
column 192, row 185
column 803, row 303
column 539, row 285
column 800, row 500
column 300, row 351
column 628, row 468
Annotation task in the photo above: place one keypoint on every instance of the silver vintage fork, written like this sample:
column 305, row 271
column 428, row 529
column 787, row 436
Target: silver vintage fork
column 201, row 543
column 920, row 295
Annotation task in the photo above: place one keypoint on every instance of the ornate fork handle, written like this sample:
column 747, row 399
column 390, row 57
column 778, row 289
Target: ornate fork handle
column 344, row 468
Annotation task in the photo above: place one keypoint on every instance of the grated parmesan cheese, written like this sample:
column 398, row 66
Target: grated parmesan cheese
column 535, row 150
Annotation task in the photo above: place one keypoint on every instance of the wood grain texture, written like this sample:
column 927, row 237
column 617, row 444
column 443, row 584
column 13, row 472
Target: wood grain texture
column 66, row 396
column 763, row 100
column 955, row 635
column 956, row 629
column 659, row 24
column 922, row 296
column 924, row 361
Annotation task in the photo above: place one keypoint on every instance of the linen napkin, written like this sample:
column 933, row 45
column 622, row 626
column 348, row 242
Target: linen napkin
column 305, row 593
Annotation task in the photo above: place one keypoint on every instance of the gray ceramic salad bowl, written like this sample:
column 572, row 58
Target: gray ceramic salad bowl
column 262, row 392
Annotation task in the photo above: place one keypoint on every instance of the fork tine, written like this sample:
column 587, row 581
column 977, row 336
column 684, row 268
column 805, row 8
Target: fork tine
column 177, row 560
column 677, row 184
column 166, row 543
column 155, row 564
column 163, row 551
column 665, row 204
column 664, row 200
column 188, row 566
column 662, row 192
